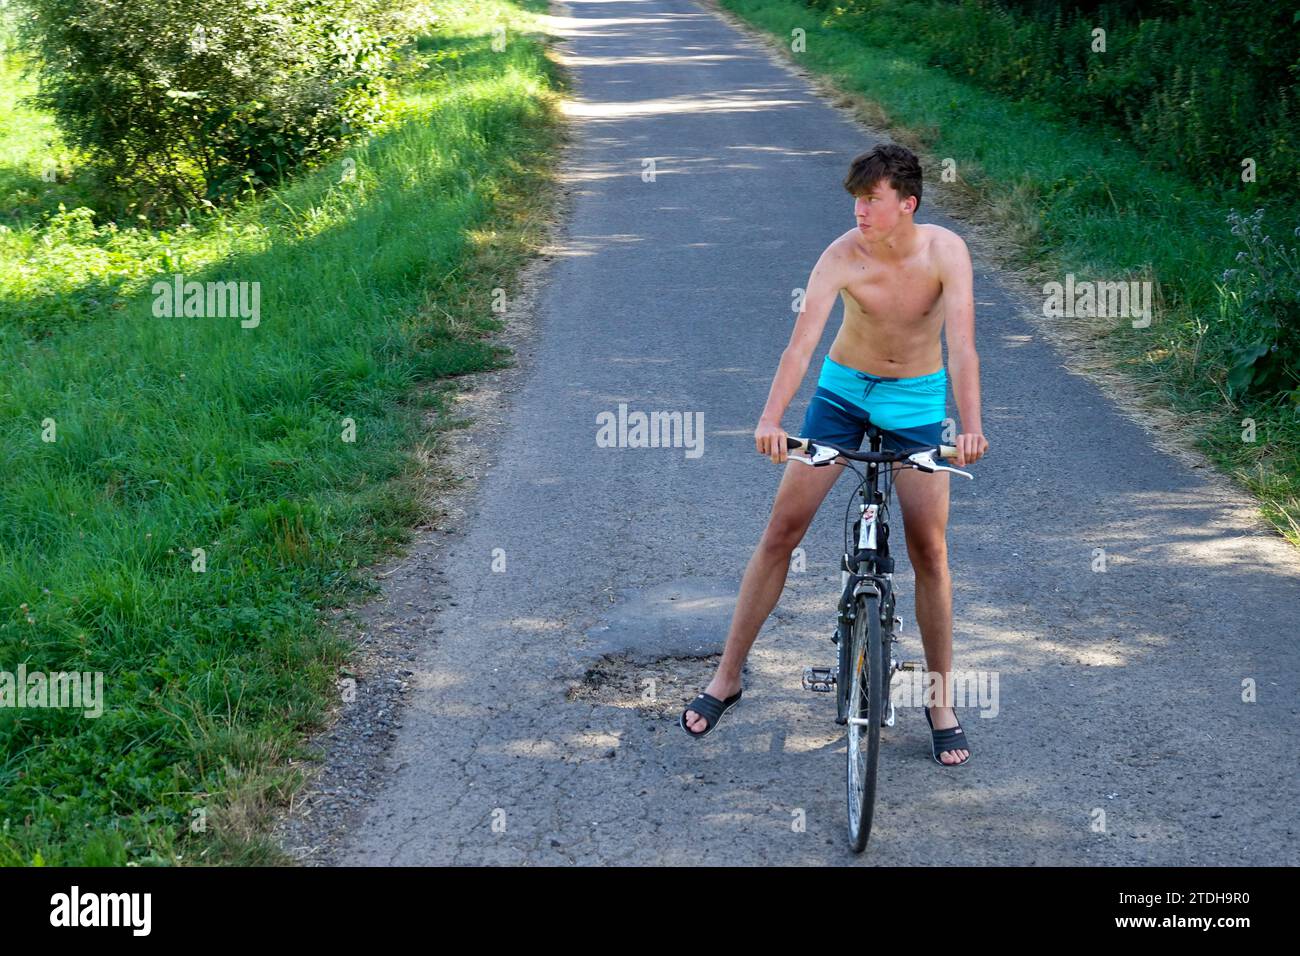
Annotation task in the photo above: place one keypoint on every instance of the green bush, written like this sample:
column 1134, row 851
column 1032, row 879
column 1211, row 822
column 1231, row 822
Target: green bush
column 1261, row 302
column 187, row 101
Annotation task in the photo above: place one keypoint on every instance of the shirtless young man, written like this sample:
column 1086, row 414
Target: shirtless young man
column 901, row 284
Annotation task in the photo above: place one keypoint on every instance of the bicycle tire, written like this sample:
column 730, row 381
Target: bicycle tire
column 868, row 667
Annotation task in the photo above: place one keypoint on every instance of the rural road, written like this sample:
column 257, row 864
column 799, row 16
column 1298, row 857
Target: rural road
column 541, row 727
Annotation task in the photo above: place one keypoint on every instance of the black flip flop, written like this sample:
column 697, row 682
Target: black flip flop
column 948, row 739
column 711, row 709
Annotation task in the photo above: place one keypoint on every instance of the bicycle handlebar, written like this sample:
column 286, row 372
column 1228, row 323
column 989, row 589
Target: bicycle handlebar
column 794, row 443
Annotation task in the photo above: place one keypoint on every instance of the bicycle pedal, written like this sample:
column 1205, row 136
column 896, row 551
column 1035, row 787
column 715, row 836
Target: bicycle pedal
column 912, row 666
column 820, row 679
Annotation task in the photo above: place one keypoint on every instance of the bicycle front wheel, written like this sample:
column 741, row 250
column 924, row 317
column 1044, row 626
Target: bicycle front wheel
column 868, row 665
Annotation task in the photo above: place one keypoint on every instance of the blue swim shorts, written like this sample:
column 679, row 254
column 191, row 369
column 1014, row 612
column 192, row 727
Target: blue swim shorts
column 910, row 412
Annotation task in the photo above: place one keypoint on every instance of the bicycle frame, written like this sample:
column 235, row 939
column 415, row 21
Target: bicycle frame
column 863, row 676
column 870, row 566
column 871, row 537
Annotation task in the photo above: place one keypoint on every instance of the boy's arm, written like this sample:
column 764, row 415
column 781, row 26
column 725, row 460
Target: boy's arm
column 958, row 280
column 819, row 297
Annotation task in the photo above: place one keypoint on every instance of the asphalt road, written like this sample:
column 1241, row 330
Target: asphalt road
column 542, row 724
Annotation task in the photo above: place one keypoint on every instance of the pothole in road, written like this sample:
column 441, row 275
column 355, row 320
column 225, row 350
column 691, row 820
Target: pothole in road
column 686, row 618
column 657, row 688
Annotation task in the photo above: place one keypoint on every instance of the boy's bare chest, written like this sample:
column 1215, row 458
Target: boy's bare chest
column 904, row 293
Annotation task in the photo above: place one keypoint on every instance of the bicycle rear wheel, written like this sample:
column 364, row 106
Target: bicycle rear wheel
column 868, row 666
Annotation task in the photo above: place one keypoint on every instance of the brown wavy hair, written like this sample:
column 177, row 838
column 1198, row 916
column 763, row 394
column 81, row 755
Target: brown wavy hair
column 898, row 164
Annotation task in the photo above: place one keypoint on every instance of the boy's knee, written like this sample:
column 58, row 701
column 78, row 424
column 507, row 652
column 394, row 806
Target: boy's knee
column 928, row 554
column 783, row 535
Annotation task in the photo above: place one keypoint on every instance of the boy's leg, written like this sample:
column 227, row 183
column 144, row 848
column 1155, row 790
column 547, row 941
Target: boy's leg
column 925, row 520
column 802, row 490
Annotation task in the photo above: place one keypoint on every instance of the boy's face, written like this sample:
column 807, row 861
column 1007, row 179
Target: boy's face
column 880, row 210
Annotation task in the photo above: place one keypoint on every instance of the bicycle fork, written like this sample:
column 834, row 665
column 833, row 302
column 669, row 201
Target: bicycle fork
column 826, row 679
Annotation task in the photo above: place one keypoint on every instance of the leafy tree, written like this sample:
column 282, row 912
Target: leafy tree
column 182, row 101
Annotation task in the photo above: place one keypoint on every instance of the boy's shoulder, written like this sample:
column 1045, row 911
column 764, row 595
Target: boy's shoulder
column 941, row 238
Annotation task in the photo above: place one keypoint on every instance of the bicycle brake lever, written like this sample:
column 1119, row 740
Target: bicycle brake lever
column 955, row 471
column 923, row 461
column 822, row 456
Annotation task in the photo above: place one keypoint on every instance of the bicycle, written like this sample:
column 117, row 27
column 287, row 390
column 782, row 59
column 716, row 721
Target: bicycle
column 866, row 614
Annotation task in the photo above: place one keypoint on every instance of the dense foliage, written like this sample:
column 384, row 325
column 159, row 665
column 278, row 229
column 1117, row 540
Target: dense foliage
column 1200, row 86
column 193, row 100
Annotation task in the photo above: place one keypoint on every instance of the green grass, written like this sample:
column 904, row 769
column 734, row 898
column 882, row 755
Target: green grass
column 174, row 434
column 1069, row 197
